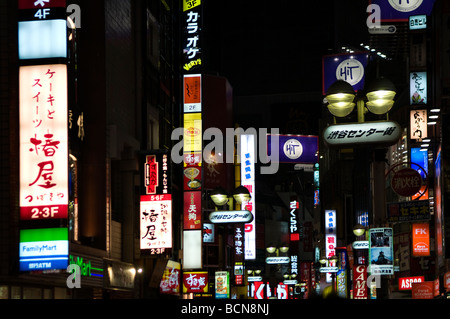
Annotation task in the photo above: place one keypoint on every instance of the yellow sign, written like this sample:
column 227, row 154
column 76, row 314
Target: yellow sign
column 189, row 4
column 192, row 132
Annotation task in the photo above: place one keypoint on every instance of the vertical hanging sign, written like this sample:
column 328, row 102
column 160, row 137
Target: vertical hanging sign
column 248, row 180
column 43, row 134
column 193, row 131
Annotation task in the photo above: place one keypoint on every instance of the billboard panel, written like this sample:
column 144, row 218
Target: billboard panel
column 381, row 261
column 43, row 249
column 43, row 142
column 156, row 223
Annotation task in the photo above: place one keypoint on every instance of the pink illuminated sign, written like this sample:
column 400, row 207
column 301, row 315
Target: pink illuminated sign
column 43, row 142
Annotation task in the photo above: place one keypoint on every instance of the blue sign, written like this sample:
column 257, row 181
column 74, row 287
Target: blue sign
column 348, row 67
column 401, row 10
column 420, row 158
column 295, row 148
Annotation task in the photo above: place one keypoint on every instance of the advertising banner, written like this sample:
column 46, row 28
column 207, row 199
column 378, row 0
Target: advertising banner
column 381, row 261
column 192, row 93
column 295, row 148
column 195, row 282
column 192, row 210
column 423, row 290
column 192, row 25
column 156, row 173
column 418, row 91
column 222, row 285
column 248, row 156
column 43, row 249
column 405, row 283
column 359, row 282
column 170, row 281
column 421, row 239
column 395, row 10
column 349, row 67
column 408, row 211
column 156, row 223
column 43, row 142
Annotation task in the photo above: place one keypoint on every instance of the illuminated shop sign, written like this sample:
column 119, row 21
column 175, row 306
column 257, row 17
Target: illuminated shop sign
column 156, row 223
column 418, row 88
column 192, row 52
column 405, row 283
column 379, row 133
column 195, row 282
column 86, row 267
column 248, row 180
column 43, row 142
column 170, row 282
column 192, row 210
column 395, row 10
column 408, row 211
column 347, row 67
column 156, row 174
column 42, row 39
column 295, row 148
column 192, row 133
column 232, row 216
column 381, row 252
column 192, row 249
column 421, row 239
column 418, row 124
column 43, row 249
column 418, row 22
column 294, row 229
column 222, row 284
column 192, row 93
column 359, row 282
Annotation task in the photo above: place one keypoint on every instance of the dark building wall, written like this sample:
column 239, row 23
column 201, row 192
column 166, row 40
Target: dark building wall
column 9, row 138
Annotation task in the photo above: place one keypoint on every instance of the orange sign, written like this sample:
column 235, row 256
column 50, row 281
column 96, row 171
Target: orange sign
column 421, row 240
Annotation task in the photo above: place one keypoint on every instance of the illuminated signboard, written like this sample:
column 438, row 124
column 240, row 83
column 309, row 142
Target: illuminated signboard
column 405, row 283
column 381, row 253
column 192, row 210
column 156, row 223
column 192, row 93
column 295, row 148
column 294, row 230
column 421, row 239
column 418, row 22
column 231, row 216
column 195, row 282
column 43, row 249
column 43, row 142
column 222, row 285
column 418, row 88
column 192, row 249
column 43, row 39
column 156, row 173
column 248, row 181
column 418, row 124
column 170, row 282
column 192, row 132
column 397, row 10
column 330, row 237
column 379, row 133
column 330, row 233
column 192, row 52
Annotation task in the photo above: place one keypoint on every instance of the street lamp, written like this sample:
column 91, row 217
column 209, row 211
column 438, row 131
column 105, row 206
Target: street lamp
column 341, row 96
column 220, row 197
column 359, row 230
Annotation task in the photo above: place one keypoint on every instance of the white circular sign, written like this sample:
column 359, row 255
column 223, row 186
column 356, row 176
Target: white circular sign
column 293, row 149
column 405, row 5
column 350, row 70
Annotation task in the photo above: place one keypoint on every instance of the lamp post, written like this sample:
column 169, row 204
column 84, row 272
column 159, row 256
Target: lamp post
column 379, row 100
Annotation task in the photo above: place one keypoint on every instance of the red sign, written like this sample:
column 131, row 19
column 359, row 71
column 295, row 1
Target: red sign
column 406, row 182
column 423, row 290
column 421, row 239
column 193, row 210
column 359, row 282
column 405, row 283
column 195, row 282
column 151, row 174
column 39, row 4
column 43, row 212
